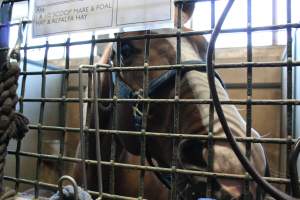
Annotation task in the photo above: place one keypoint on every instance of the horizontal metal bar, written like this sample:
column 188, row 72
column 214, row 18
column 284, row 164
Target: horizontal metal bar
column 256, row 102
column 167, row 135
column 169, row 67
column 254, row 85
column 149, row 168
column 155, row 36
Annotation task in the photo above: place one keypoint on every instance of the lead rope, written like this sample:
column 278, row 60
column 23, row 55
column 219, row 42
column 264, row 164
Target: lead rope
column 12, row 124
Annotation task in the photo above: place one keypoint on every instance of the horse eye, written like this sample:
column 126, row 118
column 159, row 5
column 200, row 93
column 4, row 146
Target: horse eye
column 127, row 50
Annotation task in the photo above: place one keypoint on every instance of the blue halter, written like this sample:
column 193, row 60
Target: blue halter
column 155, row 85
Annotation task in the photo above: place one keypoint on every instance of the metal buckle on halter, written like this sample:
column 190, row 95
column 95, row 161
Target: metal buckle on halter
column 137, row 113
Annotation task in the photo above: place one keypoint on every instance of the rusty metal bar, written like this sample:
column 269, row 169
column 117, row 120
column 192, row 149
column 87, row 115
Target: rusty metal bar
column 145, row 114
column 63, row 108
column 152, row 169
column 82, row 130
column 167, row 135
column 169, row 35
column 41, row 121
column 170, row 67
column 115, row 118
column 278, row 102
column 247, row 193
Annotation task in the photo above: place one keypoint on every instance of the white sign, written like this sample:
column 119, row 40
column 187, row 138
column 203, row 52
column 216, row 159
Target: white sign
column 63, row 16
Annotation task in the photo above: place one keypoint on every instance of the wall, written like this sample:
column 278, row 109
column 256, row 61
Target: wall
column 267, row 120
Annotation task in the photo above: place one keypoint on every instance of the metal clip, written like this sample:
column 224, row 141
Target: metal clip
column 72, row 181
column 136, row 111
column 14, row 52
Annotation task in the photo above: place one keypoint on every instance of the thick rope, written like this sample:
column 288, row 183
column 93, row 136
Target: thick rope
column 12, row 124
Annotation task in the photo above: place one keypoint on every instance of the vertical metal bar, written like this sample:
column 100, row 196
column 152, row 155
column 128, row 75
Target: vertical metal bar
column 249, row 95
column 145, row 113
column 98, row 142
column 274, row 22
column 210, row 142
column 92, row 53
column 41, row 121
column 85, row 125
column 63, row 109
column 95, row 91
column 114, row 121
column 176, row 104
column 290, row 134
column 82, row 135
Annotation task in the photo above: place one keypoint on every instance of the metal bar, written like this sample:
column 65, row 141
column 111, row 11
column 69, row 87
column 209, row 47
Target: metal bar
column 95, row 84
column 169, row 35
column 145, row 110
column 167, row 135
column 96, row 121
column 278, row 102
column 176, row 106
column 152, row 169
column 169, row 67
column 41, row 121
column 115, row 118
column 63, row 109
column 210, row 141
column 290, row 133
column 230, row 86
column 247, row 194
column 274, row 22
column 82, row 131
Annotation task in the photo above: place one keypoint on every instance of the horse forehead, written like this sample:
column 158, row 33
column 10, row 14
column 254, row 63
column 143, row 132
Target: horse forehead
column 188, row 52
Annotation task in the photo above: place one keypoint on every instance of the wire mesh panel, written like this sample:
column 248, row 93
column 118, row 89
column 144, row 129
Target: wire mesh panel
column 139, row 118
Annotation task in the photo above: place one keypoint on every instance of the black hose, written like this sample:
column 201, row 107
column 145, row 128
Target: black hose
column 294, row 171
column 274, row 192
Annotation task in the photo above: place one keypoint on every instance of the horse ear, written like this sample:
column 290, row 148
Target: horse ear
column 188, row 10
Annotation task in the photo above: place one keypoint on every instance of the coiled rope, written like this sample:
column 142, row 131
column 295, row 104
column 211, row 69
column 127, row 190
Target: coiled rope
column 12, row 124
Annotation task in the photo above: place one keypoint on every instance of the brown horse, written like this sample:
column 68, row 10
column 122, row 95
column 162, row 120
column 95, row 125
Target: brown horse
column 193, row 118
column 126, row 180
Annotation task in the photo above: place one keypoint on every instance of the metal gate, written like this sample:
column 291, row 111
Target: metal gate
column 88, row 102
